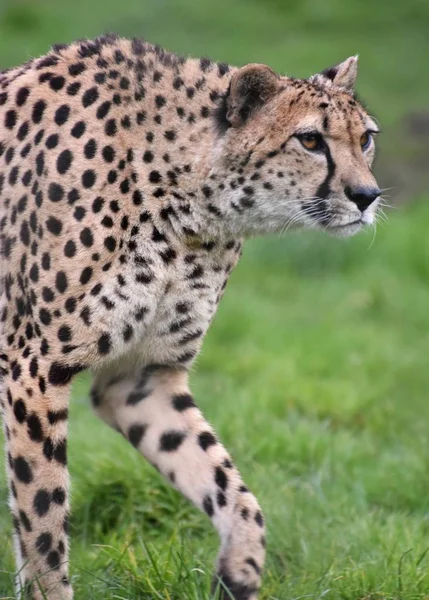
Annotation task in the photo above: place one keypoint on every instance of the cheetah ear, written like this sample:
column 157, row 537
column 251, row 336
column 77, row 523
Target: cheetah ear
column 344, row 74
column 251, row 86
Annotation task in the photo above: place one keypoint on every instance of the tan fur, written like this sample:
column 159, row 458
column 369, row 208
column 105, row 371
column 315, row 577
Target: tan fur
column 128, row 180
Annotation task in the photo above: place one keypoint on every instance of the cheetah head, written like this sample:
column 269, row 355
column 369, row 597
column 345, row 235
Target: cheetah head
column 296, row 152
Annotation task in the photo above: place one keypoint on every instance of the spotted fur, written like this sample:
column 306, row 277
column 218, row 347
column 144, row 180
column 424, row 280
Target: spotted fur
column 129, row 177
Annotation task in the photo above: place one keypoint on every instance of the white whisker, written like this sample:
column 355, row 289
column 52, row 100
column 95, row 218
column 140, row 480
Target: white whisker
column 374, row 229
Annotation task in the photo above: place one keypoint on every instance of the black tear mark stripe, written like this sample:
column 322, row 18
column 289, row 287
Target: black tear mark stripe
column 324, row 189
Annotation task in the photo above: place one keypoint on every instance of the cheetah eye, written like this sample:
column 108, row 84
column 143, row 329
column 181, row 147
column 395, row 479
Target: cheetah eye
column 311, row 141
column 365, row 140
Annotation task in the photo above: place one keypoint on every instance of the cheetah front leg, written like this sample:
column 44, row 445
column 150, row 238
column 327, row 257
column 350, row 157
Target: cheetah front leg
column 157, row 414
column 34, row 403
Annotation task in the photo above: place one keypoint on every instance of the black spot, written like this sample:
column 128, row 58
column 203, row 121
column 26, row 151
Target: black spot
column 97, row 205
column 86, row 237
column 22, row 131
column 96, row 289
column 53, row 560
column 90, row 149
column 40, row 163
column 72, row 196
column 59, row 496
column 44, row 543
column 155, row 177
column 178, row 83
column 61, row 374
column 25, row 521
column 171, row 440
column 124, row 83
column 88, row 178
column 223, row 68
column 64, row 161
column 54, row 225
column 125, row 186
column 208, row 506
column 135, row 434
column 78, row 129
column 126, row 122
column 89, row 97
column 103, row 109
column 42, row 502
column 61, row 282
column 22, row 95
column 86, row 275
column 108, row 154
column 62, row 114
column 55, row 192
column 57, row 83
column 112, row 176
column 207, row 191
column 110, row 243
column 259, row 518
column 183, row 401
column 160, row 101
column 70, row 249
column 221, row 499
column 35, row 430
column 170, row 135
column 182, row 307
column 77, row 69
column 70, row 304
column 128, row 333
column 48, row 448
column 221, row 478
column 111, row 128
column 206, row 439
column 38, row 110
column 60, row 452
column 20, row 411
column 236, row 590
column 22, row 470
column 73, row 88
column 104, row 344
column 16, row 372
column 251, row 561
column 107, row 221
column 10, row 119
column 64, row 333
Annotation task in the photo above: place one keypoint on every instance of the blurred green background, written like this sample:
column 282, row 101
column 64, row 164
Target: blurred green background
column 315, row 372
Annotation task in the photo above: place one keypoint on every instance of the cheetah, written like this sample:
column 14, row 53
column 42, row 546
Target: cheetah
column 129, row 178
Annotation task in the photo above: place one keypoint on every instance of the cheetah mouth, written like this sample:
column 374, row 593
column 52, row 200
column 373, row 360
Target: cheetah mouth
column 346, row 229
column 356, row 223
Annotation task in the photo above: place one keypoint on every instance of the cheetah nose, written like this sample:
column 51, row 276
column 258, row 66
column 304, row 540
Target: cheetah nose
column 362, row 196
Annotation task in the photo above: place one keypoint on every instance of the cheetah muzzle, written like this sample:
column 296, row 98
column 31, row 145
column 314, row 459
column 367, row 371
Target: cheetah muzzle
column 129, row 178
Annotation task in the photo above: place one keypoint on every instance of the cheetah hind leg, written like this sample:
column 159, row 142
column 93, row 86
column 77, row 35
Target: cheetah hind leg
column 155, row 411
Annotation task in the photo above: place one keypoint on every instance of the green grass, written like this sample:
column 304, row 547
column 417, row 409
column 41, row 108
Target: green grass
column 315, row 371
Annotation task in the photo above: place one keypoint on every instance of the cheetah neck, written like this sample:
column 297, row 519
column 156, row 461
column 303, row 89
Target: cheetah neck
column 182, row 145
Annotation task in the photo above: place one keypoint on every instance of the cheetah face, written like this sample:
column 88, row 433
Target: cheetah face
column 298, row 152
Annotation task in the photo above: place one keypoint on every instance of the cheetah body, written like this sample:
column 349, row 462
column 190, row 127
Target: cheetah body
column 128, row 180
